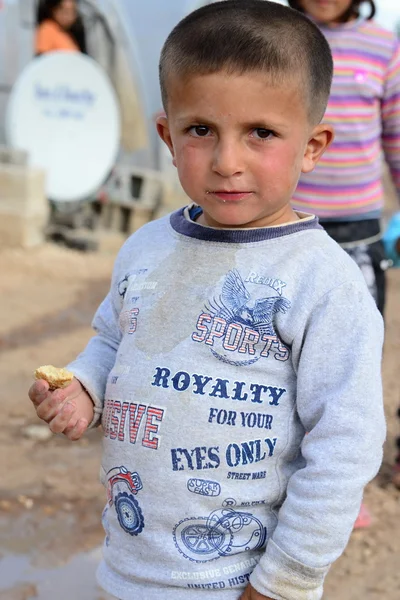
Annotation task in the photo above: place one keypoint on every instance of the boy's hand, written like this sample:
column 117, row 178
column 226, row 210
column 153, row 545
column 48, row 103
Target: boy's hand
column 251, row 594
column 68, row 410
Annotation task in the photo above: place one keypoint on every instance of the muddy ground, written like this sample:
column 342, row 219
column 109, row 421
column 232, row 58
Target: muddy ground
column 50, row 497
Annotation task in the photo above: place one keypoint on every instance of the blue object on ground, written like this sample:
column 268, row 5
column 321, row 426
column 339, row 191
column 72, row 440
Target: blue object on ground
column 391, row 240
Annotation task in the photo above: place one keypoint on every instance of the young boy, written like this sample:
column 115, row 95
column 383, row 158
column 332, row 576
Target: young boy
column 236, row 364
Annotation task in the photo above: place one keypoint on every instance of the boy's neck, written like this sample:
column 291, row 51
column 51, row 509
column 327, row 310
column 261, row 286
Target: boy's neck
column 275, row 220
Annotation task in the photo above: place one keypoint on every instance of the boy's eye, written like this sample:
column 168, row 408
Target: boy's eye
column 199, row 130
column 262, row 134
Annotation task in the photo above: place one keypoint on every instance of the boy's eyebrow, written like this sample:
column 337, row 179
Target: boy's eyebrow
column 266, row 124
column 197, row 118
column 261, row 123
column 185, row 120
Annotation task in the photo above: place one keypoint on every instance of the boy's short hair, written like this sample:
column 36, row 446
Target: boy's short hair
column 241, row 36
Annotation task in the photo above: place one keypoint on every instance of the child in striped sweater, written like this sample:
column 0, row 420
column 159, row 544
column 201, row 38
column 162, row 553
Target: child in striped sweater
column 345, row 190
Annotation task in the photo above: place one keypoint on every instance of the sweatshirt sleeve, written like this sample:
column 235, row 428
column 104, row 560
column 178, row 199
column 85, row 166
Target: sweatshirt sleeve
column 390, row 111
column 94, row 364
column 339, row 402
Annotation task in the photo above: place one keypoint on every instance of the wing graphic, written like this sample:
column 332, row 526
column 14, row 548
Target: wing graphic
column 264, row 310
column 232, row 300
column 234, row 293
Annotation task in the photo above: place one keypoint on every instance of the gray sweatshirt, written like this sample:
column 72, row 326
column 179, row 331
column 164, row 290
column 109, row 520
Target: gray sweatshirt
column 237, row 375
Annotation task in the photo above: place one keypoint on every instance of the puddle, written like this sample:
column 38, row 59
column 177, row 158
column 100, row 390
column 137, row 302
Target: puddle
column 75, row 579
column 51, row 551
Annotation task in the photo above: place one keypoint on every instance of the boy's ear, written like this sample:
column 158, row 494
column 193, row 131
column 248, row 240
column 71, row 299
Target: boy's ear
column 165, row 134
column 321, row 136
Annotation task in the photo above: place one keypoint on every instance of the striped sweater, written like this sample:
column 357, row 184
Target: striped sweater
column 364, row 109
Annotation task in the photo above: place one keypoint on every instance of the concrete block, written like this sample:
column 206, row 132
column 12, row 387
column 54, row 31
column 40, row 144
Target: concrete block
column 21, row 232
column 24, row 208
column 22, row 190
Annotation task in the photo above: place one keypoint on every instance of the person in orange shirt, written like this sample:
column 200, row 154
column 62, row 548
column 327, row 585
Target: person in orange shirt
column 58, row 26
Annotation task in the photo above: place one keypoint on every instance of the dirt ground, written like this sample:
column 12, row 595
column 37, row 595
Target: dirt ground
column 50, row 497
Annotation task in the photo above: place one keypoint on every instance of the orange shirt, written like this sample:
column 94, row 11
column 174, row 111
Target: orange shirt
column 50, row 37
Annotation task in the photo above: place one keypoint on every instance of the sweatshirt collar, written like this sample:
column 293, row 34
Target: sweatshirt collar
column 190, row 228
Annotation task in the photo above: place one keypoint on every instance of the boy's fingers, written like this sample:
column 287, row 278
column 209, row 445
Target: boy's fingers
column 49, row 407
column 60, row 422
column 46, row 410
column 38, row 391
column 77, row 431
column 52, row 405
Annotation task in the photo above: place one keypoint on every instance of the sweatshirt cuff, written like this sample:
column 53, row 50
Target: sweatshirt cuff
column 93, row 393
column 281, row 577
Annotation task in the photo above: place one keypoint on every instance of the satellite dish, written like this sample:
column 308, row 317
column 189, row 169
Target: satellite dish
column 63, row 111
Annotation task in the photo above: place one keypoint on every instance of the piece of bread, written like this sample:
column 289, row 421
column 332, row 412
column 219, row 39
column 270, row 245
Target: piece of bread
column 56, row 378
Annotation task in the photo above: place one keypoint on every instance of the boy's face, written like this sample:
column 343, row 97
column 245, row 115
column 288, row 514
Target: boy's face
column 239, row 144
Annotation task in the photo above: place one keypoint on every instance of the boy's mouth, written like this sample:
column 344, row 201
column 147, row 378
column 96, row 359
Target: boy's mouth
column 230, row 195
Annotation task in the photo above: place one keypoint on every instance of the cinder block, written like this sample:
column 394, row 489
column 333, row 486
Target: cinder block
column 22, row 190
column 22, row 232
column 24, row 208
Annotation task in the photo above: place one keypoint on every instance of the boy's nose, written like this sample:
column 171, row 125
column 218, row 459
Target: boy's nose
column 227, row 160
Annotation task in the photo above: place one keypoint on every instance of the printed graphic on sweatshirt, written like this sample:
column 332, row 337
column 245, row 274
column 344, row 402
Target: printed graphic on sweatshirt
column 223, row 533
column 217, row 578
column 122, row 487
column 128, row 289
column 128, row 320
column 132, row 422
column 133, row 282
column 252, row 411
column 203, row 487
column 239, row 324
